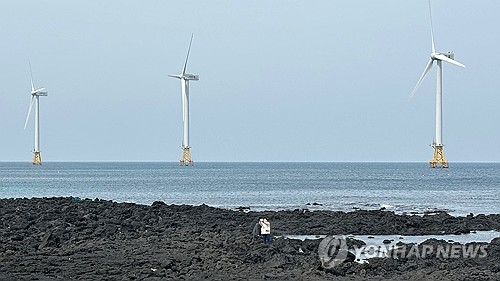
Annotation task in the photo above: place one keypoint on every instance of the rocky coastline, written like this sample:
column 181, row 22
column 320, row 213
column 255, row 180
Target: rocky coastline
column 83, row 239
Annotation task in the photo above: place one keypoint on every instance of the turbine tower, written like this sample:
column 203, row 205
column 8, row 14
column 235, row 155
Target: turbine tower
column 35, row 98
column 186, row 159
column 438, row 160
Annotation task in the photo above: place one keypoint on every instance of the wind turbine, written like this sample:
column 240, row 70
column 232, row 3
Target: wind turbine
column 185, row 78
column 438, row 160
column 35, row 99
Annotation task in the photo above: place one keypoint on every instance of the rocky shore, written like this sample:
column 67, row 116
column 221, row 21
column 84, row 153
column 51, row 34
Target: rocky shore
column 71, row 238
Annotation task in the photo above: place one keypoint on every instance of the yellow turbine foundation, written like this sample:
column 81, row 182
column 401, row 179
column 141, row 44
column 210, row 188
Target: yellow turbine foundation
column 37, row 158
column 438, row 161
column 186, row 157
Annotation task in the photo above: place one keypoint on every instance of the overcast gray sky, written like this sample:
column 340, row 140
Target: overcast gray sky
column 279, row 80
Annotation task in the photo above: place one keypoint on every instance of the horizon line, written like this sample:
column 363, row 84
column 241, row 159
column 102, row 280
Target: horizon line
column 264, row 161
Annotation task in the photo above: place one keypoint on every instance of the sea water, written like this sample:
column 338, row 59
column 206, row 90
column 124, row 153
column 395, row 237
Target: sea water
column 411, row 188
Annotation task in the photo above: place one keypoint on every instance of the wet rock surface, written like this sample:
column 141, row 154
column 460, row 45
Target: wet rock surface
column 70, row 238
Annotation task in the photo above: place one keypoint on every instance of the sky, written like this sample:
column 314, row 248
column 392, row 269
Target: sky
column 279, row 80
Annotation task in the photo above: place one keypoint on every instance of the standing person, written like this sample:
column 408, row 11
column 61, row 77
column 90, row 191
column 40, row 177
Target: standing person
column 256, row 230
column 265, row 230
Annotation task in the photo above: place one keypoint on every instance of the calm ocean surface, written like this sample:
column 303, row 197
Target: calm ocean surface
column 402, row 187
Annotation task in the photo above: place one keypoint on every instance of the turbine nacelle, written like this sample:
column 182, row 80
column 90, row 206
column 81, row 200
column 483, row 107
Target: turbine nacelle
column 194, row 77
column 450, row 55
column 40, row 92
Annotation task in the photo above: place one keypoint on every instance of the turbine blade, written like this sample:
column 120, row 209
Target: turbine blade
column 189, row 49
column 175, row 76
column 31, row 77
column 29, row 111
column 432, row 29
column 427, row 68
column 447, row 59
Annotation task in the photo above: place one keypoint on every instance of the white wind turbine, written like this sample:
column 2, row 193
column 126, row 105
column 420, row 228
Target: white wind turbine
column 186, row 154
column 438, row 58
column 35, row 99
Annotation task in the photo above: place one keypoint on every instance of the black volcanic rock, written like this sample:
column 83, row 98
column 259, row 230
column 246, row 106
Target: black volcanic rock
column 72, row 238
